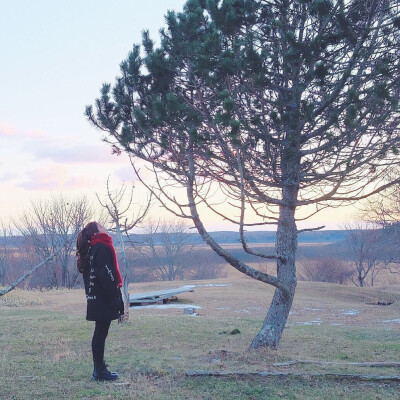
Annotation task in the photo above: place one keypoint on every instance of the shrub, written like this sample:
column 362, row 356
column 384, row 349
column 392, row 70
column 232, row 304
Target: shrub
column 326, row 269
column 208, row 271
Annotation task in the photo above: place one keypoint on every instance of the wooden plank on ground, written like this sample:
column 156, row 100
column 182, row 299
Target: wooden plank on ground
column 158, row 295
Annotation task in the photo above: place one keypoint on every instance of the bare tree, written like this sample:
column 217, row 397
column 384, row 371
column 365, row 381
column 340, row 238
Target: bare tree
column 277, row 104
column 5, row 251
column 326, row 269
column 365, row 242
column 122, row 219
column 166, row 246
column 384, row 211
column 49, row 225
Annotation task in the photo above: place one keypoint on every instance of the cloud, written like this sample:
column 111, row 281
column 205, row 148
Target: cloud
column 126, row 174
column 9, row 176
column 43, row 146
column 10, row 131
column 76, row 154
column 55, row 178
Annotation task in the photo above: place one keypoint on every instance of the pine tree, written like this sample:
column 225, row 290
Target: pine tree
column 282, row 104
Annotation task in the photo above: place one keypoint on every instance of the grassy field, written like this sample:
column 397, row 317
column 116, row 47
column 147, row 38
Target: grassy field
column 45, row 345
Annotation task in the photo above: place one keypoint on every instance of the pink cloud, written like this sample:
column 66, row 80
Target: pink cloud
column 126, row 174
column 61, row 150
column 74, row 154
column 10, row 131
column 79, row 182
column 9, row 176
column 55, row 178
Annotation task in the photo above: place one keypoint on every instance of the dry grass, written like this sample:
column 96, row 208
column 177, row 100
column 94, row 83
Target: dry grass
column 46, row 344
column 21, row 298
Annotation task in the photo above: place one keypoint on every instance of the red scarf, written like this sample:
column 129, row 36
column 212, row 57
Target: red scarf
column 107, row 240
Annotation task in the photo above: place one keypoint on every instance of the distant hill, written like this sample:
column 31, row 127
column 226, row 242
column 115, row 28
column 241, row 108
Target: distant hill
column 225, row 237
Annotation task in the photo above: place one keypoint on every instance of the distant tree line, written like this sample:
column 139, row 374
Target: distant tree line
column 371, row 246
column 168, row 250
column 163, row 252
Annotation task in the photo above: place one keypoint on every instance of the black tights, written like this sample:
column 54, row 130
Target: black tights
column 99, row 340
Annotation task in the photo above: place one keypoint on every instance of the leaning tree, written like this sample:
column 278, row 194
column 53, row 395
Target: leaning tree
column 278, row 104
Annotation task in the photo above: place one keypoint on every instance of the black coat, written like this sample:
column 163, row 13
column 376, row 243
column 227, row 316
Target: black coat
column 104, row 299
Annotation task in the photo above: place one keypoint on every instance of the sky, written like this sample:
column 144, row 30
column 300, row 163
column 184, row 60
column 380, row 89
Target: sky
column 55, row 55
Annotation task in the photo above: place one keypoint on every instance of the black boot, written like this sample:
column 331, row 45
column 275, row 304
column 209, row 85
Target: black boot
column 101, row 373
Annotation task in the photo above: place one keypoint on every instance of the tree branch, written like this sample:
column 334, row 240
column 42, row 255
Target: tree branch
column 31, row 271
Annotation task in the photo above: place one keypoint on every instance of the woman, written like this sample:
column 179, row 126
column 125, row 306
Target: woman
column 97, row 261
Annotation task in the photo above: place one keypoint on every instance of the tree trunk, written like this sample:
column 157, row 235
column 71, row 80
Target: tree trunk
column 65, row 273
column 360, row 276
column 4, row 266
column 286, row 246
column 171, row 272
column 125, row 270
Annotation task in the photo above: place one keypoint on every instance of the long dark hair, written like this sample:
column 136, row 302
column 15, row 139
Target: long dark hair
column 83, row 245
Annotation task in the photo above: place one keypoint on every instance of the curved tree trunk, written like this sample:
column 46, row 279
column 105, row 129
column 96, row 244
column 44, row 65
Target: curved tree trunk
column 286, row 246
